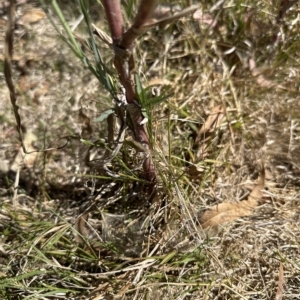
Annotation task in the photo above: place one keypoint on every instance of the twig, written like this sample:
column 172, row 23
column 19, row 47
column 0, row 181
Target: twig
column 7, row 67
column 16, row 185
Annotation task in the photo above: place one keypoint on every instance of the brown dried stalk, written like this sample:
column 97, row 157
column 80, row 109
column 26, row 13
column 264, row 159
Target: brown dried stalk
column 7, row 67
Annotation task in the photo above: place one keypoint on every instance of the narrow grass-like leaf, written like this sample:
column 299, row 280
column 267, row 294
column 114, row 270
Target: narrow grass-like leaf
column 12, row 282
column 40, row 256
column 71, row 45
column 42, row 293
column 52, row 241
column 146, row 100
column 104, row 115
column 139, row 89
column 87, row 143
column 157, row 100
column 102, row 73
column 129, row 8
column 168, row 258
column 67, row 29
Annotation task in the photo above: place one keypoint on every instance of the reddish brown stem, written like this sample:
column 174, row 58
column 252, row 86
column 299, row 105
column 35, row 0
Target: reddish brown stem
column 114, row 18
column 144, row 14
column 123, row 45
column 125, row 79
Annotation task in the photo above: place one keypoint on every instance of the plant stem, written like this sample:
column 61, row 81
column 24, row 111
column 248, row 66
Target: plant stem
column 123, row 44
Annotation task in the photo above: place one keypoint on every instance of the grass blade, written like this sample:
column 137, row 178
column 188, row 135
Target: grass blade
column 73, row 43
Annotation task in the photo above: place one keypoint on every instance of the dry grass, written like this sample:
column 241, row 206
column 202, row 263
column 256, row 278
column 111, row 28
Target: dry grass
column 68, row 234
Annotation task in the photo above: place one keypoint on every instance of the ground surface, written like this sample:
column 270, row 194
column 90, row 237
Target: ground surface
column 231, row 127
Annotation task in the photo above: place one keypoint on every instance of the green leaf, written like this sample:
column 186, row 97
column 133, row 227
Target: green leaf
column 168, row 257
column 129, row 8
column 102, row 72
column 104, row 115
column 156, row 100
column 72, row 41
column 139, row 89
column 88, row 143
column 146, row 101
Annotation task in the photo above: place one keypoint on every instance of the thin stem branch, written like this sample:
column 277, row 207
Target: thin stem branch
column 144, row 14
